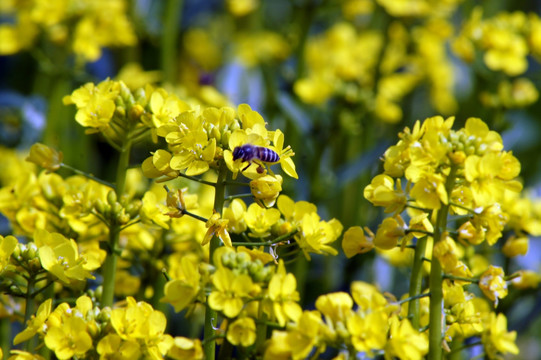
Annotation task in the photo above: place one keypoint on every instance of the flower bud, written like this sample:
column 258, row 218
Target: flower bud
column 45, row 156
column 111, row 197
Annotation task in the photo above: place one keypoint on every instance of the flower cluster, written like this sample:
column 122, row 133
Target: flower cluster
column 453, row 189
column 379, row 68
column 80, row 26
column 504, row 40
column 372, row 327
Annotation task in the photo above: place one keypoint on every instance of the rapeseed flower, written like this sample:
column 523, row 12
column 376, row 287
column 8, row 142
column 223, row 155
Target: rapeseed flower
column 230, row 291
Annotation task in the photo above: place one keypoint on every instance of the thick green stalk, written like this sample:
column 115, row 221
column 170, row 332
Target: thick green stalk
column 30, row 308
column 437, row 318
column 211, row 316
column 172, row 16
column 416, row 282
column 109, row 268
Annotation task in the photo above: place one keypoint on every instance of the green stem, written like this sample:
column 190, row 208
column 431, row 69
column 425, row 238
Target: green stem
column 437, row 317
column 211, row 316
column 413, row 298
column 30, row 308
column 238, row 196
column 416, row 282
column 195, row 216
column 5, row 330
column 193, row 178
column 171, row 24
column 109, row 268
column 87, row 175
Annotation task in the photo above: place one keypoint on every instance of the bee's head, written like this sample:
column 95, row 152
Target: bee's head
column 237, row 153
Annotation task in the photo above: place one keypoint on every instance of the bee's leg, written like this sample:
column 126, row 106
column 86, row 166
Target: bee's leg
column 247, row 166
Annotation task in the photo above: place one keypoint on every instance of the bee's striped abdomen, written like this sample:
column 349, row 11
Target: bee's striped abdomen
column 267, row 155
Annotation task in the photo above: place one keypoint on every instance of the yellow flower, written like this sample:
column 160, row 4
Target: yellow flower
column 496, row 339
column 285, row 154
column 60, row 257
column 493, row 284
column 217, row 227
column 367, row 296
column 260, row 220
column 242, row 332
column 446, row 252
column 283, row 296
column 152, row 211
column 181, row 291
column 186, row 349
column 230, row 291
column 112, row 347
column 516, row 245
column 368, row 332
column 45, row 156
column 382, row 192
column 7, row 246
column 139, row 322
column 389, row 232
column 305, row 334
column 235, row 215
column 336, row 308
column 315, row 235
column 70, row 339
column 158, row 165
column 405, row 342
column 266, row 189
column 165, row 108
column 355, row 242
column 95, row 104
column 526, row 279
column 36, row 322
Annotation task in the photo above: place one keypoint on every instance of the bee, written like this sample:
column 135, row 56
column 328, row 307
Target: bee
column 252, row 153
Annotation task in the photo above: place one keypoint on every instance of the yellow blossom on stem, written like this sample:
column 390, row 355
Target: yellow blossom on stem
column 382, row 192
column 368, row 332
column 182, row 290
column 496, row 339
column 283, row 296
column 527, row 279
column 60, row 257
column 405, row 342
column 242, row 332
column 316, row 235
column 234, row 213
column 230, row 291
column 217, row 227
column 70, row 339
column 389, row 232
column 139, row 322
column 112, row 346
column 260, row 220
column 493, row 284
column 7, row 246
column 36, row 323
column 355, row 242
column 266, row 189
